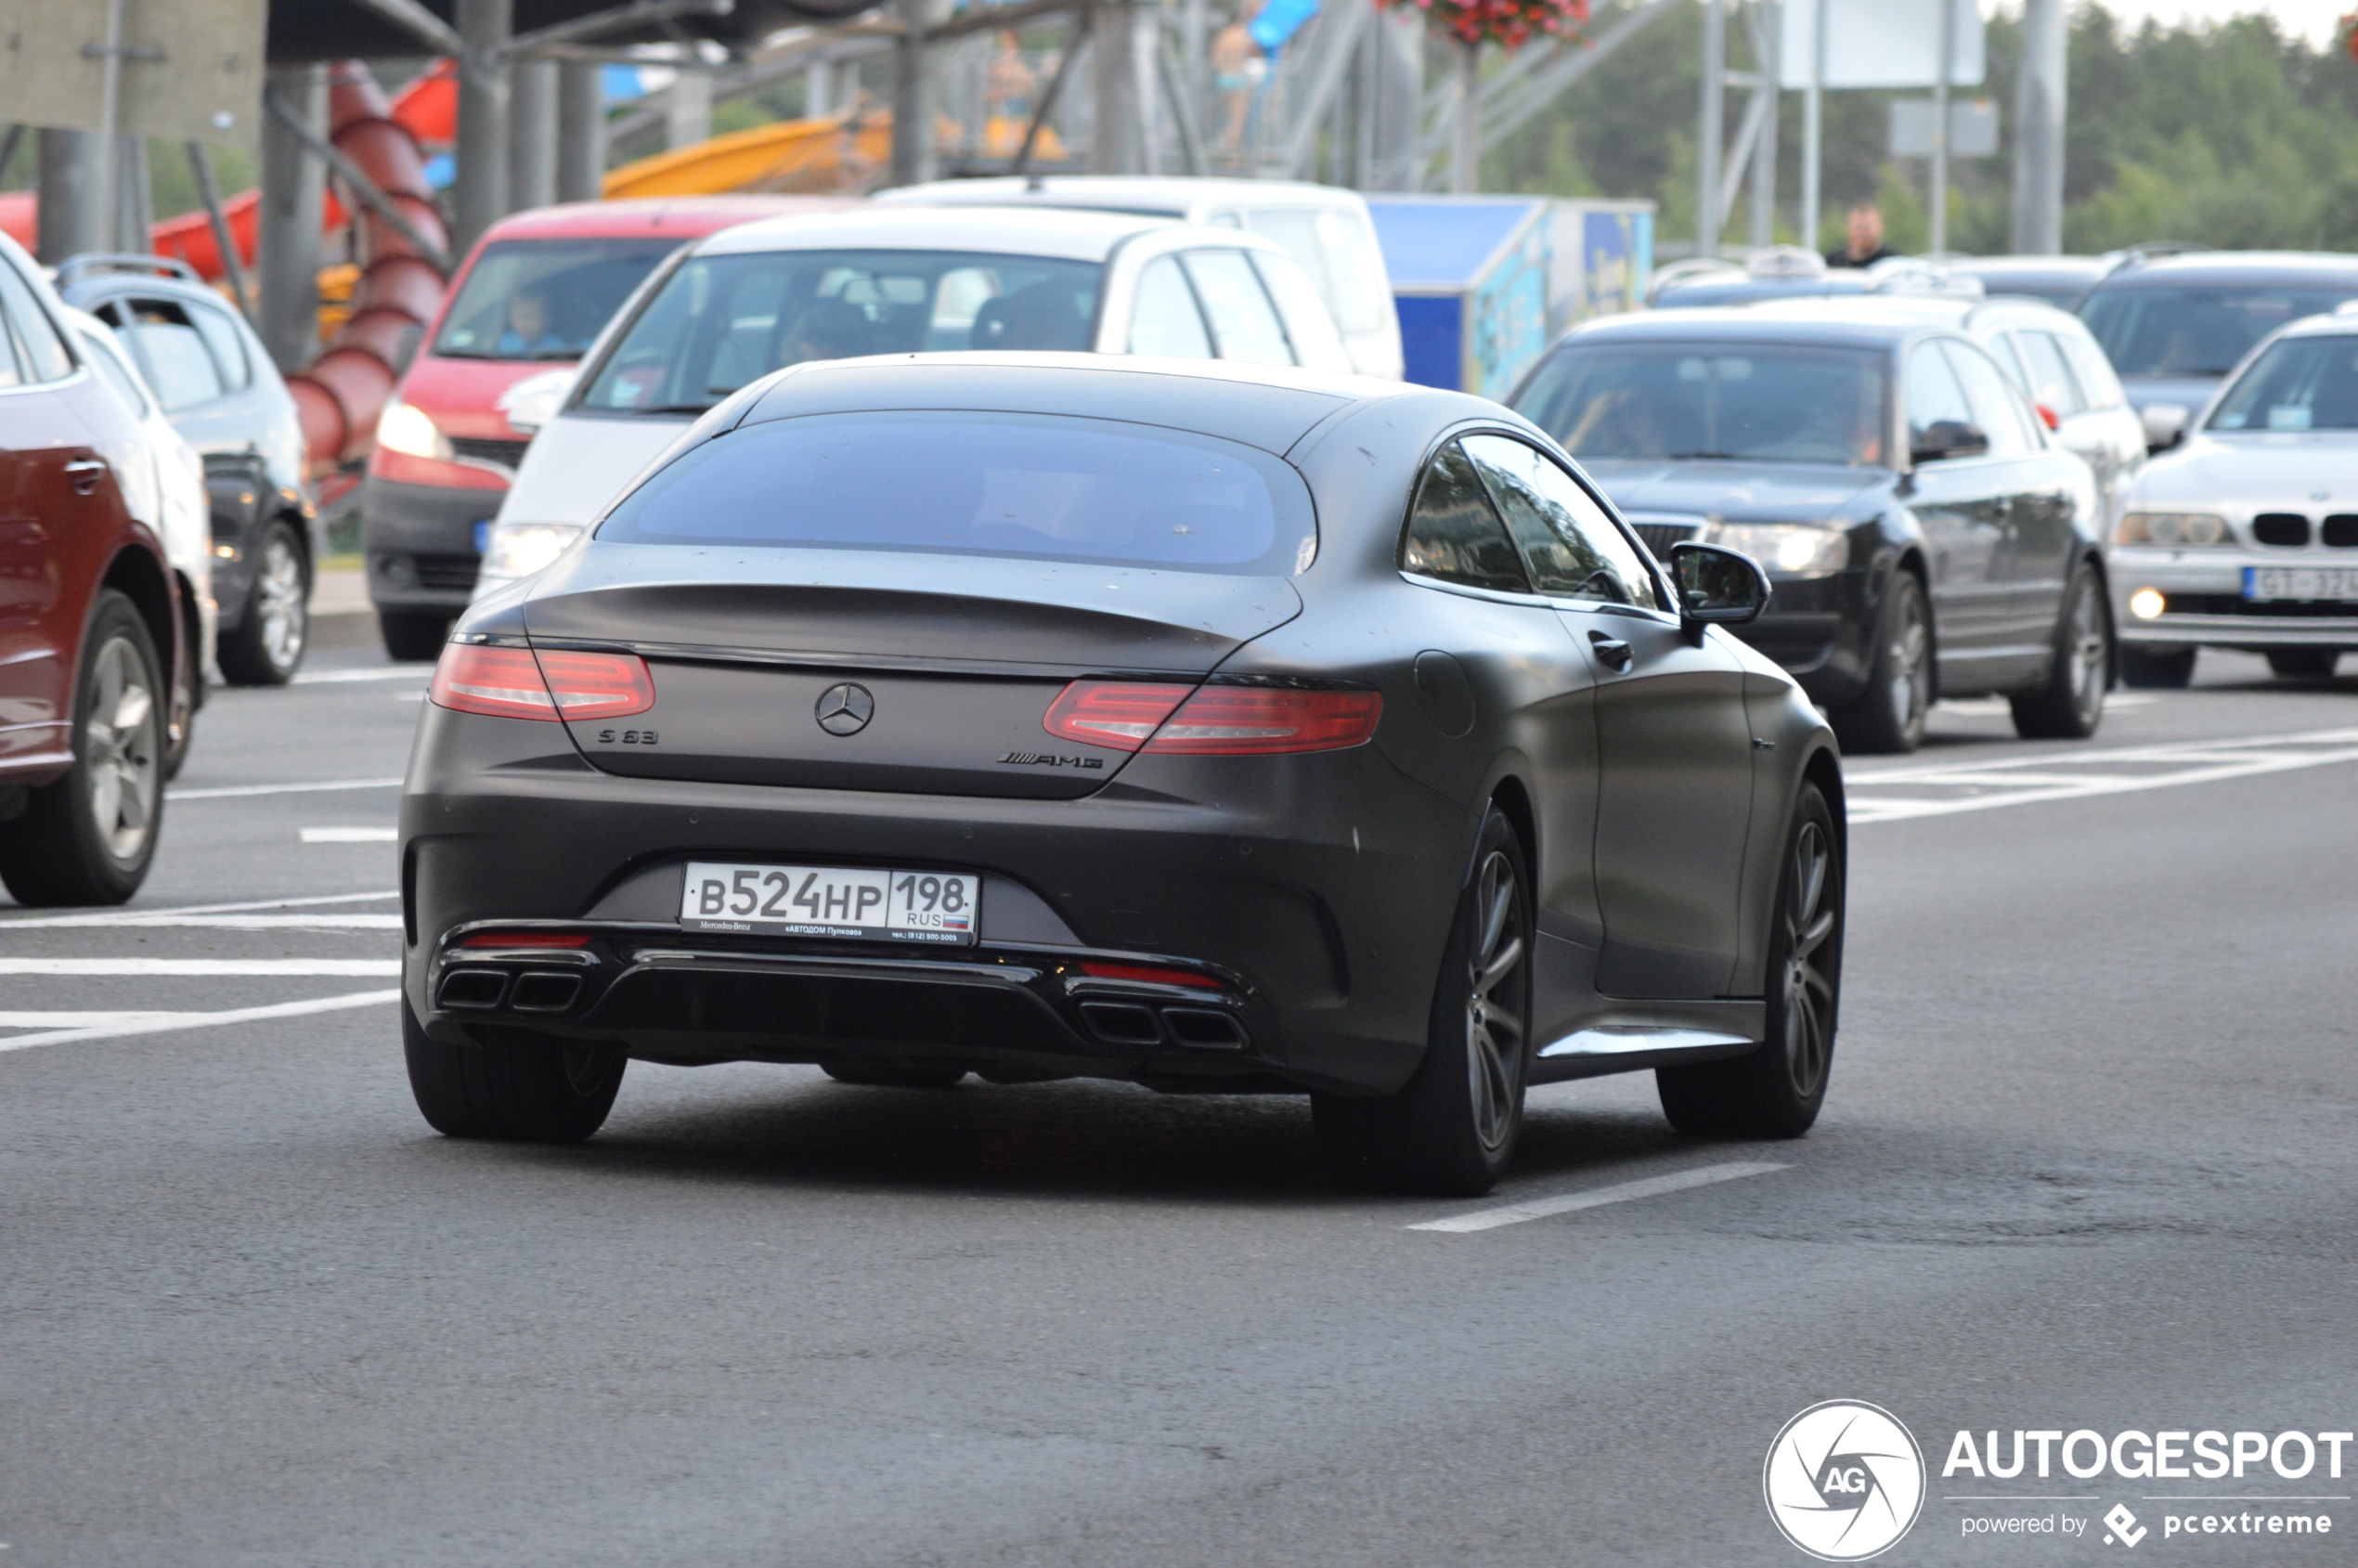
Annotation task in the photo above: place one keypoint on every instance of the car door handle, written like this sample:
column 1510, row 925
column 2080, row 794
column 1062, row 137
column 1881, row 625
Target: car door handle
column 84, row 474
column 1613, row 651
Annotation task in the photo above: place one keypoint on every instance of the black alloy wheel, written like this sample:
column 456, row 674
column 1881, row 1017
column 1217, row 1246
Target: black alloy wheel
column 1889, row 714
column 2303, row 664
column 2072, row 703
column 89, row 837
column 2156, row 669
column 1451, row 1131
column 268, row 646
column 523, row 1089
column 411, row 637
column 894, row 1077
column 1777, row 1089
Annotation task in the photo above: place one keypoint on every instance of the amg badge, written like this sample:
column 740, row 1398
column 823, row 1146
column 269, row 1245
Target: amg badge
column 1044, row 760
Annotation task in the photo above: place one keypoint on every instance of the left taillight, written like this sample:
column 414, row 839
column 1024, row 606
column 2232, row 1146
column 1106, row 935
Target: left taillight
column 552, row 683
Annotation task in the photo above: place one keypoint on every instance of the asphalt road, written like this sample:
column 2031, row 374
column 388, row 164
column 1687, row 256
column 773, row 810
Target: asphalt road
column 2086, row 1163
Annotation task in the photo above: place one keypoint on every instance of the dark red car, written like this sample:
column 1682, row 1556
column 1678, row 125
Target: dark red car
column 88, row 620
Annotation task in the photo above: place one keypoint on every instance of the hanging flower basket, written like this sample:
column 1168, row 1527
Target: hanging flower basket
column 1508, row 23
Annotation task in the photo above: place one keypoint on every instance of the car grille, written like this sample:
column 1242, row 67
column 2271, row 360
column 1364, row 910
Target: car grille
column 2290, row 530
column 2235, row 604
column 1660, row 536
column 480, row 449
column 446, row 571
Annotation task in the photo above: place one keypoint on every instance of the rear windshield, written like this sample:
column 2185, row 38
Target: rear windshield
column 544, row 299
column 2152, row 331
column 2301, row 384
column 1758, row 402
column 721, row 321
column 1029, row 486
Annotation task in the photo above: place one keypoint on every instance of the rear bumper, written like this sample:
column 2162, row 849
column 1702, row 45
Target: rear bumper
column 419, row 541
column 1323, row 944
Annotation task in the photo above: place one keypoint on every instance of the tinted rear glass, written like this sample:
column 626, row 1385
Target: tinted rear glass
column 1023, row 485
column 721, row 321
column 1759, row 402
column 2195, row 331
column 544, row 299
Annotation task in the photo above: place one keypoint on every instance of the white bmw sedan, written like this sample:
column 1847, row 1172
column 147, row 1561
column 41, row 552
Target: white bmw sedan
column 2246, row 535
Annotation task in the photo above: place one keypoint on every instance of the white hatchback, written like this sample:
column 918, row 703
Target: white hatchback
column 738, row 305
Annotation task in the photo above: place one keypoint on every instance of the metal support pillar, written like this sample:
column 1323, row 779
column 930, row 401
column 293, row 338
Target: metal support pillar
column 915, row 149
column 581, row 130
column 1813, row 128
column 532, row 134
column 233, row 267
column 1712, row 134
column 134, row 198
column 688, row 113
column 2038, row 129
column 72, row 220
column 294, row 187
column 1117, row 145
column 482, row 195
column 1941, row 128
column 1397, row 97
column 1765, row 21
column 108, row 191
column 818, row 88
column 1465, row 120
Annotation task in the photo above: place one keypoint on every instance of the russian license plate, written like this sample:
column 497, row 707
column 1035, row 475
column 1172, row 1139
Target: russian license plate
column 2300, row 582
column 858, row 904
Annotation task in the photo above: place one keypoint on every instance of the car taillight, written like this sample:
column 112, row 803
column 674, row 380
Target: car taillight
column 511, row 684
column 1120, row 714
column 1151, row 977
column 1237, row 720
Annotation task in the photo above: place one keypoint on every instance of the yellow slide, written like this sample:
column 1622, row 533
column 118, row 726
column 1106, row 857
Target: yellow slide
column 800, row 157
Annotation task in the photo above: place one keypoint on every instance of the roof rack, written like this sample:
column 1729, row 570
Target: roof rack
column 74, row 268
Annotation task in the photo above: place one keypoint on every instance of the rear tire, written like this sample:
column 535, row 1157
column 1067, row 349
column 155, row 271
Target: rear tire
column 89, row 837
column 1451, row 1131
column 1889, row 714
column 2072, row 703
column 412, row 638
column 268, row 647
column 894, row 1077
column 1777, row 1090
column 2304, row 663
column 2165, row 669
column 540, row 1092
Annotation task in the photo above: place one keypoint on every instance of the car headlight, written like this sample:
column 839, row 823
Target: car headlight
column 1792, row 550
column 406, row 429
column 2175, row 530
column 518, row 549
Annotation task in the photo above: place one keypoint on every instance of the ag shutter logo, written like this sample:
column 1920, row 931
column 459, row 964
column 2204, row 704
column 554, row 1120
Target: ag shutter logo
column 2124, row 1524
column 1844, row 1481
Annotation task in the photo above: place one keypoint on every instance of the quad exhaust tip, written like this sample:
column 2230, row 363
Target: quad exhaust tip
column 1133, row 1023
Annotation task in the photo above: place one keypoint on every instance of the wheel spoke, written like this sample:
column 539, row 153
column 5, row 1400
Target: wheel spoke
column 1813, row 935
column 1502, row 965
column 105, row 797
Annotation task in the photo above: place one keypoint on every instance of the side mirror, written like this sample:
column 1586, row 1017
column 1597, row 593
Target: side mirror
column 1717, row 587
column 1949, row 439
column 2165, row 425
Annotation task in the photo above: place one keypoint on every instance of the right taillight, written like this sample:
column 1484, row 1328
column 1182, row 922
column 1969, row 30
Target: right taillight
column 1237, row 720
column 512, row 683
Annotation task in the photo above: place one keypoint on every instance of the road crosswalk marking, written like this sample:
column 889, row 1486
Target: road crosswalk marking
column 160, row 1023
column 1935, row 789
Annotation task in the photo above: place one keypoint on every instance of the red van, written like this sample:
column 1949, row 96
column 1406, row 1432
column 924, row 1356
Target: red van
column 530, row 299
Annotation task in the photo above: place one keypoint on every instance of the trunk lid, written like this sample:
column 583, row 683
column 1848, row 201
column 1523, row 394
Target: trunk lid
column 934, row 672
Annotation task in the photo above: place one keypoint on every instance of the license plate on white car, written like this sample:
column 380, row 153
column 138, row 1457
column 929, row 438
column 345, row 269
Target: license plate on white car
column 2300, row 582
column 858, row 904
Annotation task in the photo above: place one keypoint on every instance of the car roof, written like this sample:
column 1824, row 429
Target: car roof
column 1079, row 235
column 683, row 218
column 1965, row 314
column 1831, row 322
column 2340, row 323
column 1170, row 195
column 1271, row 408
column 2288, row 268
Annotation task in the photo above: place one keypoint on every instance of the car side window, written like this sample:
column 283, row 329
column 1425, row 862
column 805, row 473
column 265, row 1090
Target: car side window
column 1244, row 323
column 2095, row 371
column 1571, row 548
column 116, row 373
column 220, row 334
column 179, row 364
column 1308, row 323
column 41, row 354
column 1934, row 399
column 2050, row 380
column 10, row 374
column 1996, row 403
column 1165, row 320
column 1453, row 534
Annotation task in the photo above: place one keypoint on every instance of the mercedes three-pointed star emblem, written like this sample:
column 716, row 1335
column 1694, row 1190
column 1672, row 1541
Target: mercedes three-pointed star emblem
column 845, row 708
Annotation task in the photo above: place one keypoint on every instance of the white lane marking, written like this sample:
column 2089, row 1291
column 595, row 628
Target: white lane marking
column 227, row 791
column 336, row 920
column 421, row 673
column 77, row 1020
column 201, row 1020
column 2074, row 775
column 200, row 966
column 1597, row 1197
column 141, row 917
column 350, row 835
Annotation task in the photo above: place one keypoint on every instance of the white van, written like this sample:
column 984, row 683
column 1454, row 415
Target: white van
column 1326, row 228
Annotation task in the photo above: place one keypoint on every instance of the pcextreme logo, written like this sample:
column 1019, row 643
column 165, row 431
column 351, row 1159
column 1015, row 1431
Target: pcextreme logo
column 1844, row 1481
